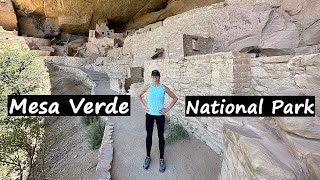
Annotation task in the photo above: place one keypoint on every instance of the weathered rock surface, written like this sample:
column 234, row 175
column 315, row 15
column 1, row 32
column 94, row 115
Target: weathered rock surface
column 173, row 7
column 8, row 19
column 304, row 14
column 270, row 24
column 81, row 15
column 308, row 127
column 313, row 163
column 39, row 27
column 255, row 151
column 302, row 146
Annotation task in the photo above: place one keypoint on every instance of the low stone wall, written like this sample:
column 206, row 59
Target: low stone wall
column 81, row 76
column 99, row 46
column 116, row 70
column 103, row 169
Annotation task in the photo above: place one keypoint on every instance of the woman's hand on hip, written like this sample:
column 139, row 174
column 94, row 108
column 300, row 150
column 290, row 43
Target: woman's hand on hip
column 145, row 108
column 163, row 110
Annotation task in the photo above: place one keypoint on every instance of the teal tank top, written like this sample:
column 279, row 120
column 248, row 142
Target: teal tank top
column 155, row 99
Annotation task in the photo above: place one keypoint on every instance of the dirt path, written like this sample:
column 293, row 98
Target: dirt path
column 70, row 157
column 187, row 159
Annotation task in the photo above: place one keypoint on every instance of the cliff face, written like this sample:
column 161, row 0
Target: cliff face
column 7, row 16
column 81, row 15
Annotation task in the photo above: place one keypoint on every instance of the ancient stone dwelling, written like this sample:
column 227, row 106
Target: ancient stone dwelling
column 228, row 48
column 102, row 38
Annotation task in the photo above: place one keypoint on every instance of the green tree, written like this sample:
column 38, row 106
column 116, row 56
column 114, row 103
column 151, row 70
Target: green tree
column 19, row 146
column 21, row 73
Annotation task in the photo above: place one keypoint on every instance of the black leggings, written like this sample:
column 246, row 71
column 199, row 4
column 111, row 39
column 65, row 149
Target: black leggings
column 160, row 120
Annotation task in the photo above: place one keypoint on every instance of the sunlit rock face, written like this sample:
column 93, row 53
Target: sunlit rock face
column 79, row 16
column 8, row 18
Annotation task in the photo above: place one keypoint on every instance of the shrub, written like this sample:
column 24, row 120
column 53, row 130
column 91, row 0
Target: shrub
column 95, row 133
column 175, row 131
column 87, row 120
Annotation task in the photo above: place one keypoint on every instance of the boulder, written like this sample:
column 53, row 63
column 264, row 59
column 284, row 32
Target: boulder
column 255, row 151
column 302, row 146
column 303, row 126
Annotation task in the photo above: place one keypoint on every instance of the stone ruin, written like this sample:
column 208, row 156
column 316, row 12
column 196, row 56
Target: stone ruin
column 103, row 39
column 100, row 41
column 197, row 57
column 263, row 52
column 69, row 45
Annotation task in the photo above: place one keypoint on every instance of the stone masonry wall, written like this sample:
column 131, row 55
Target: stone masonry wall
column 144, row 46
column 287, row 75
column 232, row 28
column 251, row 148
column 212, row 74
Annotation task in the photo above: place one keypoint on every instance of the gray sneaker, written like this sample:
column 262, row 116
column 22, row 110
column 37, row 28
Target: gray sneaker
column 147, row 162
column 162, row 165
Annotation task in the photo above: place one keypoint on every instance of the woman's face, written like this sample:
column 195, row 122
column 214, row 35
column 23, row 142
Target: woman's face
column 155, row 79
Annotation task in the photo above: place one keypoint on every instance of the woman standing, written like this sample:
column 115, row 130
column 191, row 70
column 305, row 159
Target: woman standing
column 155, row 111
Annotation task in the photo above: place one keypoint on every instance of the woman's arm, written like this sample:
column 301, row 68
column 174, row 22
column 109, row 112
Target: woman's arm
column 173, row 102
column 139, row 96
